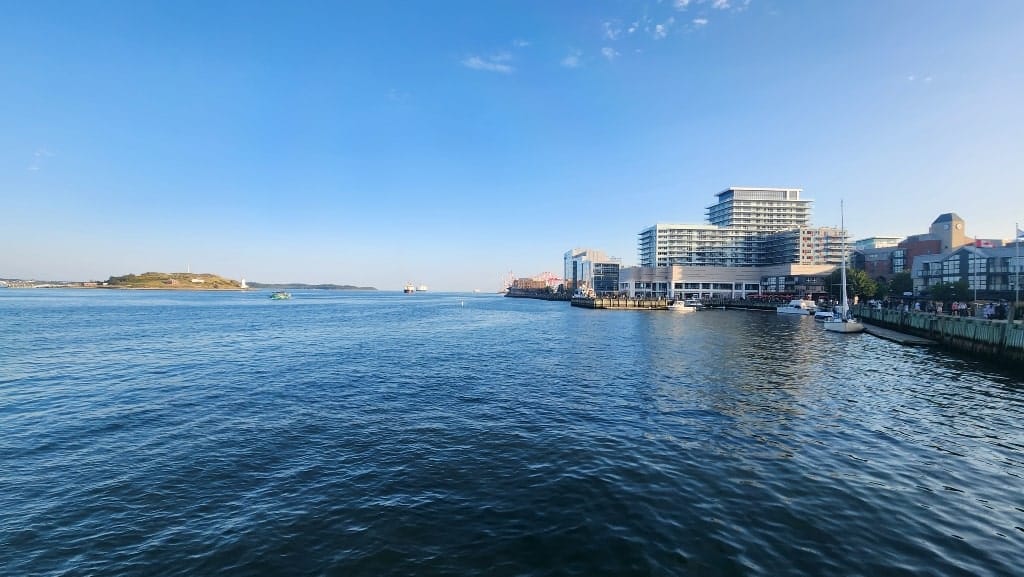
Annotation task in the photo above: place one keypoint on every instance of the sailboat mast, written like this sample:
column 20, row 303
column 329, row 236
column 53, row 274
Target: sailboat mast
column 842, row 229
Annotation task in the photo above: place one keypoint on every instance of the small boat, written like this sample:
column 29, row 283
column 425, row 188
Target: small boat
column 409, row 288
column 844, row 321
column 797, row 307
column 422, row 288
column 280, row 296
column 823, row 315
column 695, row 303
column 681, row 307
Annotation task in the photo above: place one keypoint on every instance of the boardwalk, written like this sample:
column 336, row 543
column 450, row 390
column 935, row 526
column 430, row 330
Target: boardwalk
column 895, row 336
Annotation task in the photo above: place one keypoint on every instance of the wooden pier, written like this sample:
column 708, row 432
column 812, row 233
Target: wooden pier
column 998, row 340
column 622, row 303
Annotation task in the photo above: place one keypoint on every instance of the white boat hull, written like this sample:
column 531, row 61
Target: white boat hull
column 681, row 308
column 841, row 326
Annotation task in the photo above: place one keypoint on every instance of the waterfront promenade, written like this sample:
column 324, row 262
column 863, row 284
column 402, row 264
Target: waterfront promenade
column 998, row 340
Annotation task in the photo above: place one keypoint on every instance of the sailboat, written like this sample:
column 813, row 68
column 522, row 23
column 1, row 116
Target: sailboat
column 844, row 321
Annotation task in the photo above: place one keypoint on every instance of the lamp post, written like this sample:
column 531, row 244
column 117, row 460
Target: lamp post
column 974, row 275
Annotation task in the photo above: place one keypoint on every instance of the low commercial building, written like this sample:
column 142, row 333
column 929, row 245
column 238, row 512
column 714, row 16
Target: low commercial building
column 709, row 282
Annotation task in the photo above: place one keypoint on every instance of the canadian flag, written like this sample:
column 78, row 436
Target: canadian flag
column 983, row 243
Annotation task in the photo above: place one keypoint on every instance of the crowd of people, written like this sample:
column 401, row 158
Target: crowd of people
column 992, row 310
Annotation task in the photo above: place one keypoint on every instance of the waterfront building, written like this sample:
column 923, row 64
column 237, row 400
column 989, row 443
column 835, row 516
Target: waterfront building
column 542, row 281
column 591, row 271
column 991, row 273
column 756, row 240
column 708, row 282
column 877, row 242
column 946, row 233
column 880, row 263
column 747, row 227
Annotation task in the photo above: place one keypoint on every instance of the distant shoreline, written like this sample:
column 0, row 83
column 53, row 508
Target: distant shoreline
column 186, row 288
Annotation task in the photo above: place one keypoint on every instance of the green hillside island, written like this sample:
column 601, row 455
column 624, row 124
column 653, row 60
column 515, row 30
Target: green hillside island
column 173, row 280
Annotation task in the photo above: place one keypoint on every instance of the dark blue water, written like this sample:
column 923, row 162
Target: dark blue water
column 164, row 433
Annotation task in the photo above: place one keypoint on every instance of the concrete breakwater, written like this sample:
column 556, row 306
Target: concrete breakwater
column 1000, row 341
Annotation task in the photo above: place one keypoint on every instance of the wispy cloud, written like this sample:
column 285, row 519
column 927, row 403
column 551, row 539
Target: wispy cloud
column 519, row 43
column 396, row 95
column 700, row 22
column 609, row 53
column 612, row 30
column 572, row 60
column 661, row 30
column 681, row 4
column 494, row 63
column 720, row 4
column 39, row 159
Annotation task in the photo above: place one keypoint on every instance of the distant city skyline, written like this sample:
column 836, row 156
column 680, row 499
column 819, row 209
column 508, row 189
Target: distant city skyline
column 448, row 143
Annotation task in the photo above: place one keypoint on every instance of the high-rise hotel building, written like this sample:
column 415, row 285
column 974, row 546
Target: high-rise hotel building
column 765, row 232
column 748, row 227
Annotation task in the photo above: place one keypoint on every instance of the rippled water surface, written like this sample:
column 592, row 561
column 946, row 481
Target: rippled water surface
column 164, row 433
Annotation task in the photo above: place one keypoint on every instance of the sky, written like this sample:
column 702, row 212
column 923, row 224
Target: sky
column 447, row 143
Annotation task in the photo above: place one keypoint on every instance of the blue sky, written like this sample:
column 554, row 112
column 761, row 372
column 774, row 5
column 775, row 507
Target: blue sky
column 446, row 143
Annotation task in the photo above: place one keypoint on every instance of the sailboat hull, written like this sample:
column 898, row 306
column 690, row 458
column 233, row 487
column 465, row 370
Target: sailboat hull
column 841, row 326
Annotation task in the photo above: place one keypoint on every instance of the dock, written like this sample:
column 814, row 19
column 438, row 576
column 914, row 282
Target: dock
column 896, row 336
column 622, row 303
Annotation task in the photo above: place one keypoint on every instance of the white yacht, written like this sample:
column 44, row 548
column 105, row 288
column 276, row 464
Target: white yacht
column 798, row 307
column 823, row 315
column 681, row 306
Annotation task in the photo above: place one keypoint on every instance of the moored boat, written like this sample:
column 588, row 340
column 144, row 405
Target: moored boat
column 280, row 296
column 844, row 321
column 797, row 307
column 680, row 306
column 409, row 288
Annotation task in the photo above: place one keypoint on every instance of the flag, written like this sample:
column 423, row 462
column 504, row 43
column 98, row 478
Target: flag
column 1020, row 233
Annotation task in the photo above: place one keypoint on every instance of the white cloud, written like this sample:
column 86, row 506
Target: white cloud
column 700, row 21
column 681, row 4
column 609, row 53
column 911, row 78
column 720, row 4
column 573, row 59
column 612, row 30
column 496, row 63
column 660, row 31
column 927, row 78
column 633, row 28
column 520, row 43
column 38, row 159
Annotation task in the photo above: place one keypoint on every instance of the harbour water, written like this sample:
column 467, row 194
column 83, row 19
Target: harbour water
column 338, row 433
